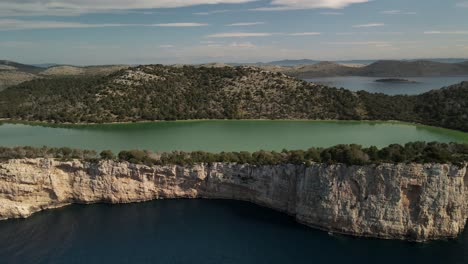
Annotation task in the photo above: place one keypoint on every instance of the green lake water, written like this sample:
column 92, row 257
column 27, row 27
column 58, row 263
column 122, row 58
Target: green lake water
column 207, row 231
column 216, row 136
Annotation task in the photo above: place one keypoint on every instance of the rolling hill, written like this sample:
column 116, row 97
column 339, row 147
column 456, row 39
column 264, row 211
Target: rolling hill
column 6, row 65
column 13, row 73
column 156, row 92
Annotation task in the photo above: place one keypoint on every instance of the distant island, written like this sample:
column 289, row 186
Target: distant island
column 394, row 80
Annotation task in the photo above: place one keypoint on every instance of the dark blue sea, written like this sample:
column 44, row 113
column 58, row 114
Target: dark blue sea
column 198, row 231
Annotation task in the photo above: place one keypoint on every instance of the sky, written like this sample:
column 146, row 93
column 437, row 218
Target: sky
column 96, row 32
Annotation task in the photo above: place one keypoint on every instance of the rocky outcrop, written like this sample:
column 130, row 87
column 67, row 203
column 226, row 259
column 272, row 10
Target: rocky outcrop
column 404, row 201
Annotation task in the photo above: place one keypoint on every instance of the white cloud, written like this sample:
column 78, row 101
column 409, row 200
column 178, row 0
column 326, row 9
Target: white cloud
column 68, row 7
column 16, row 44
column 244, row 45
column 369, row 33
column 398, row 12
column 331, row 13
column 369, row 25
column 15, row 24
column 214, row 45
column 304, row 34
column 211, row 12
column 75, row 7
column 179, row 25
column 239, row 35
column 462, row 4
column 245, row 24
column 166, row 46
column 374, row 43
column 262, row 34
column 280, row 5
column 233, row 52
column 456, row 32
column 207, row 42
column 361, row 43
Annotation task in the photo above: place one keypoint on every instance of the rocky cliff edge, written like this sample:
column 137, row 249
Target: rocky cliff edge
column 396, row 201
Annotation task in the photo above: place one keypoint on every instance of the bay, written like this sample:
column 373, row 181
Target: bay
column 199, row 231
column 369, row 84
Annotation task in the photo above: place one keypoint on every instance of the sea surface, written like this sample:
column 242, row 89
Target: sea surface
column 356, row 83
column 199, row 231
column 207, row 231
column 217, row 136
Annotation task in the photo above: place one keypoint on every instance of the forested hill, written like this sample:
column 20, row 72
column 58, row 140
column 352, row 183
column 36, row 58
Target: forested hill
column 156, row 92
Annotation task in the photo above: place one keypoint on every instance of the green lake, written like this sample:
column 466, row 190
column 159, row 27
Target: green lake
column 216, row 136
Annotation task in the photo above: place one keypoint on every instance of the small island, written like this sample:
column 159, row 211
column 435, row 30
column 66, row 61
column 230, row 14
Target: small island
column 395, row 80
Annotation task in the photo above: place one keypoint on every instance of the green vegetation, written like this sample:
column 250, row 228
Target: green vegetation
column 417, row 152
column 46, row 152
column 156, row 92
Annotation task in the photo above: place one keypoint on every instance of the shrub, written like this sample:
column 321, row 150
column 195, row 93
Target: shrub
column 107, row 155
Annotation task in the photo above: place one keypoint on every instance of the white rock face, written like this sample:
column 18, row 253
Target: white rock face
column 403, row 201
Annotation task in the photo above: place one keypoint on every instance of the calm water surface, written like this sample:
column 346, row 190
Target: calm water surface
column 219, row 136
column 198, row 231
column 355, row 83
column 206, row 231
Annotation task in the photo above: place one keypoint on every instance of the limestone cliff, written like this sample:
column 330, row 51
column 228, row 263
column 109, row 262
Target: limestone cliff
column 404, row 201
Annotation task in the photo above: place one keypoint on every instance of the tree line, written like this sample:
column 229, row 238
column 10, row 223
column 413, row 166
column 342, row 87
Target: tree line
column 414, row 152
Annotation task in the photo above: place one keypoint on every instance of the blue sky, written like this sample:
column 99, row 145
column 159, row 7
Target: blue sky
column 86, row 32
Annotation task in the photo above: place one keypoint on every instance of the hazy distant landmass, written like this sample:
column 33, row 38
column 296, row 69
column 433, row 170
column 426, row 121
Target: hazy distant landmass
column 363, row 62
column 305, row 69
column 157, row 92
column 12, row 73
column 380, row 69
column 10, row 65
column 394, row 80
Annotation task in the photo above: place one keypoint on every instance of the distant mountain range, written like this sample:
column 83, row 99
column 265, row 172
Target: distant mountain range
column 364, row 62
column 10, row 65
column 12, row 73
column 419, row 68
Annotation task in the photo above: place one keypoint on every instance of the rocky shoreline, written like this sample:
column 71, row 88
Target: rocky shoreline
column 417, row 202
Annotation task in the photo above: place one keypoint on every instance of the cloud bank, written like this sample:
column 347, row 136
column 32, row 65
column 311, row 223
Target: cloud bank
column 455, row 32
column 245, row 24
column 280, row 5
column 239, row 35
column 76, row 7
column 15, row 24
column 369, row 25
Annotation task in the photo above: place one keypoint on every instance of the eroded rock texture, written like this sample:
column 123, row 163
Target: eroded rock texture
column 404, row 201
